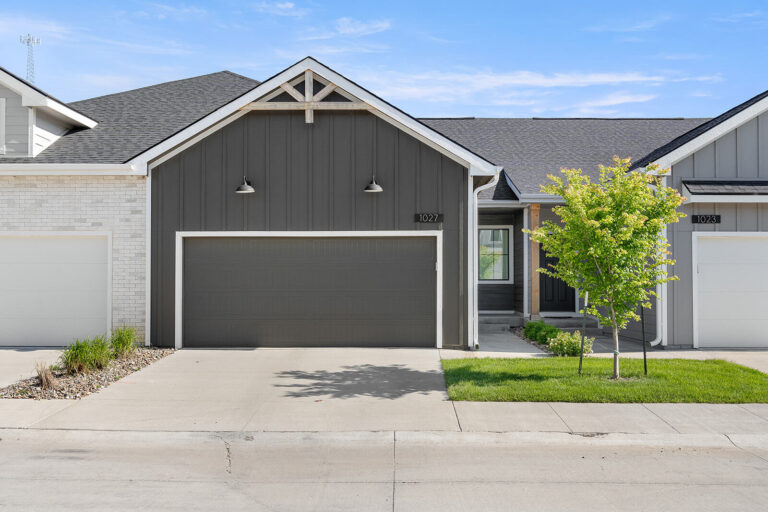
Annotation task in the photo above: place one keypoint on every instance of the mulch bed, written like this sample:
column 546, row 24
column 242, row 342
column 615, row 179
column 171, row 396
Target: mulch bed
column 519, row 332
column 83, row 384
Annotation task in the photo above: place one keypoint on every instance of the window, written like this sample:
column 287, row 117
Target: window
column 494, row 254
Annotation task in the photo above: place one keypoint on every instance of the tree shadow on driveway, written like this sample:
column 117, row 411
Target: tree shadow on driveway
column 366, row 380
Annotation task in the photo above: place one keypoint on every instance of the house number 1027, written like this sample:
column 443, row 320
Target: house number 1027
column 429, row 218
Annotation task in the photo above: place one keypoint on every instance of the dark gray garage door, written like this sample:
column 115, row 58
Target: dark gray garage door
column 309, row 292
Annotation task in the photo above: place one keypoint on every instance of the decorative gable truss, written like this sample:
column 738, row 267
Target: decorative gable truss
column 308, row 92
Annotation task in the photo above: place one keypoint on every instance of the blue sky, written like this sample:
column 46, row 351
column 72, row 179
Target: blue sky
column 431, row 58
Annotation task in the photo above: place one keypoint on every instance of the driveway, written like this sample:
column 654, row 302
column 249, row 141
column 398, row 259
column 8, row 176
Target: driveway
column 266, row 390
column 19, row 363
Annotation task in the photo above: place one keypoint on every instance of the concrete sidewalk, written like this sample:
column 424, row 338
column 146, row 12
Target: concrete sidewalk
column 19, row 363
column 380, row 471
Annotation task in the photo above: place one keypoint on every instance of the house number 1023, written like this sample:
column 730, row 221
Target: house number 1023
column 429, row 218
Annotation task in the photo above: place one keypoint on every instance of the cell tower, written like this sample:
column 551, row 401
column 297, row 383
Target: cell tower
column 31, row 42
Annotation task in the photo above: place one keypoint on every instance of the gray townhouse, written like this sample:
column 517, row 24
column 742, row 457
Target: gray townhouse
column 220, row 211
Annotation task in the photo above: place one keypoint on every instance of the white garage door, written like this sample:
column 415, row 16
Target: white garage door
column 731, row 279
column 53, row 289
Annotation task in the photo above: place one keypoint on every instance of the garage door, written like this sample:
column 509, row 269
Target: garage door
column 53, row 289
column 309, row 292
column 732, row 291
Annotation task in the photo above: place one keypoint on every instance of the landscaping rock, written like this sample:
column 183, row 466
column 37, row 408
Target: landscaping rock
column 83, row 384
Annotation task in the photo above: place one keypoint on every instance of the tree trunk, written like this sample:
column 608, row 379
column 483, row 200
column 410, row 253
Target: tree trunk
column 616, row 373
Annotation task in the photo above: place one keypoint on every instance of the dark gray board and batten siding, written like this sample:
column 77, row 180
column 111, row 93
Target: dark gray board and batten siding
column 308, row 177
column 740, row 153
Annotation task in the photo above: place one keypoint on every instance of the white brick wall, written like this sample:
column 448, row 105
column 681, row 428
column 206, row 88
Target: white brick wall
column 89, row 203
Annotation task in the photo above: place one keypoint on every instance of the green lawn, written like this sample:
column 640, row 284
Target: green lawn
column 555, row 379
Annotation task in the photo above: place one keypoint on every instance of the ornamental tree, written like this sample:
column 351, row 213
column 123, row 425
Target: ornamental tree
column 609, row 241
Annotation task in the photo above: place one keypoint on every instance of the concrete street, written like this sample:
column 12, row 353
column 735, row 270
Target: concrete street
column 403, row 471
column 366, row 429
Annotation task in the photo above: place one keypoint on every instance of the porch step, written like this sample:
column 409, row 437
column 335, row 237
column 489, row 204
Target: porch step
column 498, row 323
column 570, row 322
column 591, row 331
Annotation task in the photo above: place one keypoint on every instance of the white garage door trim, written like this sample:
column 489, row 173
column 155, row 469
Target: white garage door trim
column 179, row 275
column 77, row 234
column 696, row 235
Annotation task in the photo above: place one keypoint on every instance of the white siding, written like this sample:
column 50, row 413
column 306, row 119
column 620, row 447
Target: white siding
column 46, row 131
column 16, row 124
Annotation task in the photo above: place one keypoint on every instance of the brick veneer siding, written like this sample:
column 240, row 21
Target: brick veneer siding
column 89, row 203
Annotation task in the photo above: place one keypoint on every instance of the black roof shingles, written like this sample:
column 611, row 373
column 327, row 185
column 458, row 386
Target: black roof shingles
column 134, row 121
column 528, row 149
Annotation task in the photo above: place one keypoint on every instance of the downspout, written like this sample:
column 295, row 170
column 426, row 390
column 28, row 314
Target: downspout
column 475, row 345
column 661, row 298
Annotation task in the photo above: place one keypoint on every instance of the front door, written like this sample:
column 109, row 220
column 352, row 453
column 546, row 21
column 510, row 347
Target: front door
column 555, row 294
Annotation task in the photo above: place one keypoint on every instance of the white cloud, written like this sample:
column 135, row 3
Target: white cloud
column 35, row 26
column 638, row 26
column 163, row 11
column 352, row 27
column 738, row 17
column 682, row 56
column 160, row 48
column 280, row 9
column 443, row 86
column 616, row 98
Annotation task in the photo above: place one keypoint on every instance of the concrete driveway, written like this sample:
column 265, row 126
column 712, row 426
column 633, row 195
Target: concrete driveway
column 19, row 363
column 269, row 390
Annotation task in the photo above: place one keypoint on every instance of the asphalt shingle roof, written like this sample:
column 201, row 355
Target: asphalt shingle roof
column 698, row 130
column 531, row 148
column 132, row 122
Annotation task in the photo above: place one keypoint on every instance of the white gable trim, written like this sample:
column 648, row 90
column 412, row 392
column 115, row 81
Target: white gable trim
column 31, row 97
column 477, row 165
column 70, row 170
column 714, row 133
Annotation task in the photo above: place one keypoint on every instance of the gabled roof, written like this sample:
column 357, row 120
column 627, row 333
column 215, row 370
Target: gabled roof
column 692, row 140
column 529, row 149
column 32, row 96
column 133, row 121
column 477, row 164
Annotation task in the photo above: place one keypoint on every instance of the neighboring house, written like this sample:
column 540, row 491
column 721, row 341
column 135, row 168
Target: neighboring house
column 219, row 211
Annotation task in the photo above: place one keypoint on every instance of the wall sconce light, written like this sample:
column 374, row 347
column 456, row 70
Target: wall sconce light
column 245, row 187
column 373, row 187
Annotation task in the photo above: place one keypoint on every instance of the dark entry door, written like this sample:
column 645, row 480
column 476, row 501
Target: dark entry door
column 555, row 294
column 309, row 292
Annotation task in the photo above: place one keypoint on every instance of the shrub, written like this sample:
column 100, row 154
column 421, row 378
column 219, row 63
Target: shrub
column 86, row 355
column 45, row 376
column 123, row 342
column 569, row 344
column 540, row 332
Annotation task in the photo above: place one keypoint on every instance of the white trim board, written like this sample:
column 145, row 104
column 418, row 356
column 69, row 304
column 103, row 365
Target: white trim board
column 179, row 271
column 2, row 126
column 477, row 165
column 69, row 170
column 724, row 198
column 695, row 236
column 31, row 97
column 714, row 133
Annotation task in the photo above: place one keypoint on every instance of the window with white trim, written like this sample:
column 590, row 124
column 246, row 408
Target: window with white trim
column 495, row 254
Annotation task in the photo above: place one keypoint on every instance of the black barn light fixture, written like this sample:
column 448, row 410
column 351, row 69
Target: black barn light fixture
column 373, row 187
column 245, row 188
